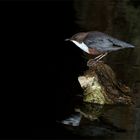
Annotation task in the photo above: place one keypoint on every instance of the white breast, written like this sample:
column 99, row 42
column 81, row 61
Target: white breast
column 81, row 46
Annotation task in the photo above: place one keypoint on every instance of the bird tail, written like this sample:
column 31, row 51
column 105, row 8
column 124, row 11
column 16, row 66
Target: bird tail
column 130, row 46
column 122, row 44
column 127, row 45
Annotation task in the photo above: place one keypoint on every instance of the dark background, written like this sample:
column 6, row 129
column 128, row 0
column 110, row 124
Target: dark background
column 40, row 68
column 33, row 34
column 61, row 62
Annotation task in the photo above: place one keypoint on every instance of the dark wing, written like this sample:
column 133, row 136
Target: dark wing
column 120, row 43
column 104, row 42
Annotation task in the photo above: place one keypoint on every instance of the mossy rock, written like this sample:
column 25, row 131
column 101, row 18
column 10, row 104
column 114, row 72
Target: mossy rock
column 101, row 86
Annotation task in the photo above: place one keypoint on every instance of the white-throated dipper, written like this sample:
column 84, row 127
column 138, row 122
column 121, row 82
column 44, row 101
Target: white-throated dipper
column 98, row 43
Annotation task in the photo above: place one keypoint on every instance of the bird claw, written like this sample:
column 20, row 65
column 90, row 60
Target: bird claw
column 96, row 60
column 93, row 62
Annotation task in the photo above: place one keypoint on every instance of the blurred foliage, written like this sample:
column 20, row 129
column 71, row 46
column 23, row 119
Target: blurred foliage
column 119, row 18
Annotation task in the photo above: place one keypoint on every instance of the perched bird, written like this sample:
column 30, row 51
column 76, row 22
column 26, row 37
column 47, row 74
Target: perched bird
column 98, row 43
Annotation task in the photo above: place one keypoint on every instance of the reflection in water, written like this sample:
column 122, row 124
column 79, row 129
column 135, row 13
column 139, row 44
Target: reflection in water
column 105, row 120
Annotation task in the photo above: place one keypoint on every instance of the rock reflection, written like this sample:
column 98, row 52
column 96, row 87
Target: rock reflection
column 104, row 120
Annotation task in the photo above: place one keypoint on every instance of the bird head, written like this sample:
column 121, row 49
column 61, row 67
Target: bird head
column 79, row 37
column 78, row 40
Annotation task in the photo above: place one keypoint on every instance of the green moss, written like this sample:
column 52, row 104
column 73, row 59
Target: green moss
column 101, row 86
column 93, row 90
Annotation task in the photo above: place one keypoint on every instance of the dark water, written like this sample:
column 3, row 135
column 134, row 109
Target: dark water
column 117, row 122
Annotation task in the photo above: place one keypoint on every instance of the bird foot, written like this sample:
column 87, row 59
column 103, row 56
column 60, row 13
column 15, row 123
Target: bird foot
column 96, row 60
column 91, row 62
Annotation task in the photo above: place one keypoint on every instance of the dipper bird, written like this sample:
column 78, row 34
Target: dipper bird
column 98, row 43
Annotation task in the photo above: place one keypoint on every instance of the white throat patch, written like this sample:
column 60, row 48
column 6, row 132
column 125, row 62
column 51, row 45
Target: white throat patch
column 81, row 46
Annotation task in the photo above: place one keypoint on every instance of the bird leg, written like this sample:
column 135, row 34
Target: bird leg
column 97, row 57
column 91, row 62
column 100, row 57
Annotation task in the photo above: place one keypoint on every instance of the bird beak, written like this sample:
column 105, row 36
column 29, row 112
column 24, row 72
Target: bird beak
column 67, row 39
